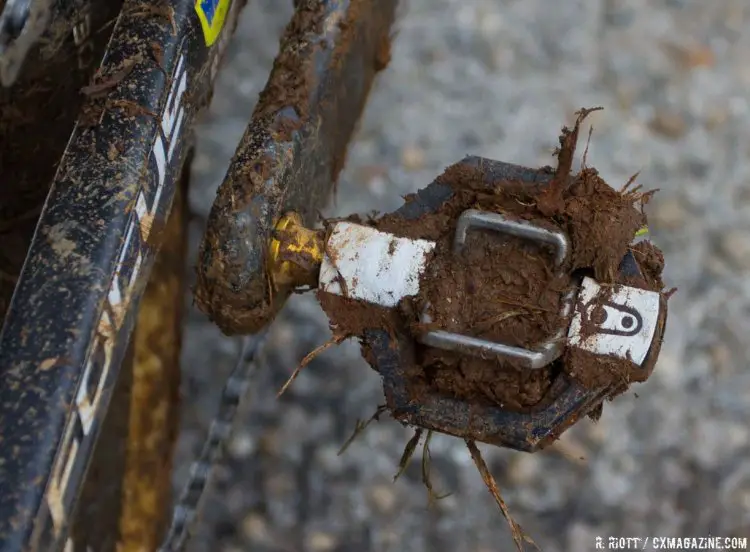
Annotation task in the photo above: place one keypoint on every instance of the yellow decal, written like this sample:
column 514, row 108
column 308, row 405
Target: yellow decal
column 212, row 14
column 642, row 232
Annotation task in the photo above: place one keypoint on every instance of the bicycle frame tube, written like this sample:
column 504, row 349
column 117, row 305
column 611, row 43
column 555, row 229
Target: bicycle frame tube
column 73, row 310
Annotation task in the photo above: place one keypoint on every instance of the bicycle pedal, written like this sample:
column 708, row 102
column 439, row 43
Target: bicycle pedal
column 379, row 268
column 379, row 285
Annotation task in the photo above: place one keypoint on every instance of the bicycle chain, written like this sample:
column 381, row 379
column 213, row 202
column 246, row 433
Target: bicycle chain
column 188, row 504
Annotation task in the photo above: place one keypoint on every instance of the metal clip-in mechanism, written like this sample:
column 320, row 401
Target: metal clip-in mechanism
column 530, row 359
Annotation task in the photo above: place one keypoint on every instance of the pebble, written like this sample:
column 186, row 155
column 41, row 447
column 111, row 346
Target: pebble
column 692, row 56
column 699, row 56
column 523, row 469
column 329, row 458
column 322, row 542
column 412, row 158
column 383, row 498
column 669, row 124
column 721, row 358
column 255, row 528
column 270, row 443
column 668, row 213
column 241, row 445
column 735, row 244
column 715, row 117
column 377, row 186
column 669, row 369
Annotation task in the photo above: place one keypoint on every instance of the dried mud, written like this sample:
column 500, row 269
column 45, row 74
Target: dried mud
column 290, row 85
column 508, row 290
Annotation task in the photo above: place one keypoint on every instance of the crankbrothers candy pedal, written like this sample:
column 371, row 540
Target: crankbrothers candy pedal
column 486, row 319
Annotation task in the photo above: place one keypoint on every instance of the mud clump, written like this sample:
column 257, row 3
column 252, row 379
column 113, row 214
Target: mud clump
column 290, row 81
column 508, row 290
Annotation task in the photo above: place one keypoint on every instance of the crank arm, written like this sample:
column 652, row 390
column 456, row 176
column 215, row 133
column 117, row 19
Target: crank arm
column 291, row 153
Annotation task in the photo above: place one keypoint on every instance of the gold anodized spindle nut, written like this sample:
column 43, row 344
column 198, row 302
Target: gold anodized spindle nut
column 295, row 253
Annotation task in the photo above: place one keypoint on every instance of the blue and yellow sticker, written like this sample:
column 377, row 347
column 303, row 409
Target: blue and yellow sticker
column 212, row 14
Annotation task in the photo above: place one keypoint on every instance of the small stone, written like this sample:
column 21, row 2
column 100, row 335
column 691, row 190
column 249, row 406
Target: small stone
column 412, row 158
column 328, row 458
column 690, row 56
column 322, row 542
column 368, row 173
column 669, row 124
column 377, row 186
column 255, row 528
column 715, row 117
column 721, row 359
column 669, row 369
column 383, row 498
column 735, row 245
column 700, row 55
column 523, row 469
column 241, row 445
column 669, row 213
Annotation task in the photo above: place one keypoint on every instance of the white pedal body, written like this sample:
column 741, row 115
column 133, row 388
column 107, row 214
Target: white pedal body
column 376, row 267
column 620, row 322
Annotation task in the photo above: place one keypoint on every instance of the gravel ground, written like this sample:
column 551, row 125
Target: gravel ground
column 498, row 78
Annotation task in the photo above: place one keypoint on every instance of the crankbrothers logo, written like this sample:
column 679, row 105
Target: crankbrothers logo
column 212, row 14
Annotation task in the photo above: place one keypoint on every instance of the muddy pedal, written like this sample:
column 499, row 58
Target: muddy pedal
column 364, row 264
column 567, row 400
column 382, row 269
